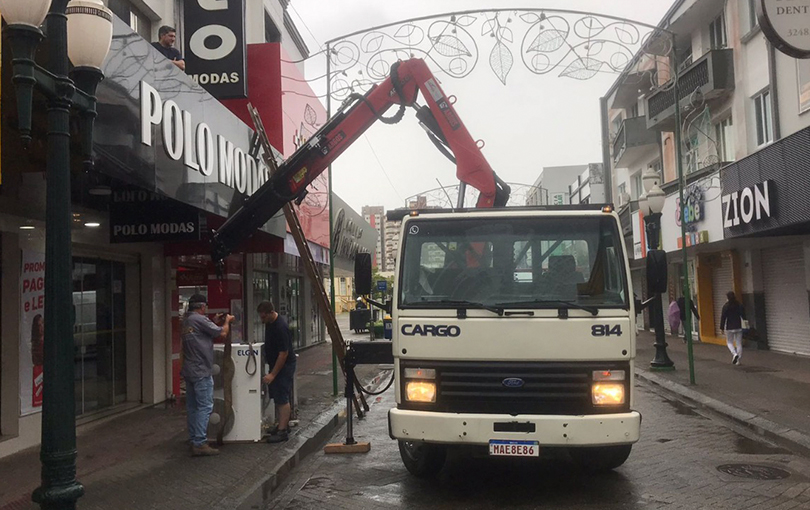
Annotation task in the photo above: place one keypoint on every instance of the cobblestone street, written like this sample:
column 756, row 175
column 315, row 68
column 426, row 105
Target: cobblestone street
column 674, row 466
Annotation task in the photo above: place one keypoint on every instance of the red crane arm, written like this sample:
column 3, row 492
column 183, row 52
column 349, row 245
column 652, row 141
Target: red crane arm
column 345, row 127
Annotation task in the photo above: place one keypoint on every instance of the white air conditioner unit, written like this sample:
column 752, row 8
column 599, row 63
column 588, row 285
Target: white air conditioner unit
column 247, row 408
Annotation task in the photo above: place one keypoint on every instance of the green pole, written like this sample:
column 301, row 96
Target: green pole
column 59, row 489
column 687, row 295
column 331, row 224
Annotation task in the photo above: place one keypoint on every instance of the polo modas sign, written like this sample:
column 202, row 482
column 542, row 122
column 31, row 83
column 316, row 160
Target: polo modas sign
column 215, row 46
column 138, row 216
column 747, row 205
column 197, row 145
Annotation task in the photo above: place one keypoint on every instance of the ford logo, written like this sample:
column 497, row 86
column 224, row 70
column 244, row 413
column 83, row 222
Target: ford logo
column 513, row 382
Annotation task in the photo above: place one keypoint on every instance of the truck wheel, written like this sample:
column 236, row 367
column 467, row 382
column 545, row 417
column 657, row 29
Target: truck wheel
column 601, row 459
column 422, row 460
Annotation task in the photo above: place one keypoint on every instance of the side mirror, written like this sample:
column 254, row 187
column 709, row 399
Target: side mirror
column 362, row 274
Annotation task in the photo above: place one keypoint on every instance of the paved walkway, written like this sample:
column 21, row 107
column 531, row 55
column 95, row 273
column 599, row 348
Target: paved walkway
column 141, row 459
column 769, row 392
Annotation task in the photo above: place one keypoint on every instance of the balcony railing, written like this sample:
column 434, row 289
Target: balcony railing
column 632, row 137
column 711, row 76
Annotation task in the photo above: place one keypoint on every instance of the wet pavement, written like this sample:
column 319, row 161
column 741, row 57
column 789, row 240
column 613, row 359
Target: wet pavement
column 141, row 459
column 683, row 461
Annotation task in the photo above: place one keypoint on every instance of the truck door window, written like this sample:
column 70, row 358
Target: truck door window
column 522, row 260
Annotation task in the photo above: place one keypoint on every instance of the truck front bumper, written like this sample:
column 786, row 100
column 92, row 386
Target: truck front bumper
column 549, row 430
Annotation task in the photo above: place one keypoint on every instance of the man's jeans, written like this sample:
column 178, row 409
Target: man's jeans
column 199, row 405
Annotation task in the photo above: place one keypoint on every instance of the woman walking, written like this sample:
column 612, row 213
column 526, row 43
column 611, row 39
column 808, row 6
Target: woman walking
column 731, row 321
column 674, row 316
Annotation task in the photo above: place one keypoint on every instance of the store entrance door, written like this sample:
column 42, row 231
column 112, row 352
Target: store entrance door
column 99, row 333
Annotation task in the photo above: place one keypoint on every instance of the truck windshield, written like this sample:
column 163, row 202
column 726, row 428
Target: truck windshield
column 535, row 262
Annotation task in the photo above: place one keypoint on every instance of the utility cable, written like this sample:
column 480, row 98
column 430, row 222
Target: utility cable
column 251, row 357
column 375, row 393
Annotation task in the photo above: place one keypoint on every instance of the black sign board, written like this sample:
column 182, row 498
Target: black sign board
column 216, row 55
column 767, row 191
column 140, row 216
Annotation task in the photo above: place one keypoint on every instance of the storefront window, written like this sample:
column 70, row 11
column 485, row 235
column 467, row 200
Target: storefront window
column 264, row 287
column 99, row 333
column 316, row 322
column 292, row 302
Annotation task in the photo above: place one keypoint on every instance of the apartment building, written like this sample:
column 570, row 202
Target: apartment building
column 745, row 135
column 375, row 216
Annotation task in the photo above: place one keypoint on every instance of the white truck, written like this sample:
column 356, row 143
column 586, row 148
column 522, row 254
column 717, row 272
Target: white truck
column 513, row 328
column 513, row 332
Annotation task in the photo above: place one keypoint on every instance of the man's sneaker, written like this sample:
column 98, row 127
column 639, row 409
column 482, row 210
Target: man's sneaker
column 279, row 437
column 203, row 451
column 273, row 430
column 735, row 360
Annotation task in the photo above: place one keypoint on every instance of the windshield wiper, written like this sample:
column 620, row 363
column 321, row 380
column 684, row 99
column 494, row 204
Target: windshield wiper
column 557, row 302
column 463, row 305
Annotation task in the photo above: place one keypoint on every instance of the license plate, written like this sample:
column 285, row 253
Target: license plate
column 514, row 448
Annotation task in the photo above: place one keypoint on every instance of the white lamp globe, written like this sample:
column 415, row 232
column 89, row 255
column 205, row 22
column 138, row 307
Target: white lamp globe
column 25, row 12
column 89, row 30
column 656, row 199
column 650, row 178
column 644, row 204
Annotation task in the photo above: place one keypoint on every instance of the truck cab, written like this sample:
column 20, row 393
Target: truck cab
column 513, row 333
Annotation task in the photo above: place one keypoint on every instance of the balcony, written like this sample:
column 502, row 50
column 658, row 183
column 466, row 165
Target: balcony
column 632, row 141
column 712, row 75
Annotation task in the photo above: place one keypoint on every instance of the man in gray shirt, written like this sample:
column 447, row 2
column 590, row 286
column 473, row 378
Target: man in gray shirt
column 198, row 334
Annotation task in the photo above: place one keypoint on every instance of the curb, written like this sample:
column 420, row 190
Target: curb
column 791, row 439
column 308, row 441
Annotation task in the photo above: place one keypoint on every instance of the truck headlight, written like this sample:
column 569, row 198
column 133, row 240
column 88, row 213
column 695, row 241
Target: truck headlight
column 607, row 394
column 420, row 391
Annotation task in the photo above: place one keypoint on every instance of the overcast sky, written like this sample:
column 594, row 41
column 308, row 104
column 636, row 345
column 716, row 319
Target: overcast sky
column 531, row 122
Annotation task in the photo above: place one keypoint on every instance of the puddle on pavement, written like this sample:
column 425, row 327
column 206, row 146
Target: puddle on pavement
column 681, row 408
column 748, row 446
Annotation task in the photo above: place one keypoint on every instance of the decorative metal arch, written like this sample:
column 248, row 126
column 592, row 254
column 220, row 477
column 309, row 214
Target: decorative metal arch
column 578, row 44
column 446, row 197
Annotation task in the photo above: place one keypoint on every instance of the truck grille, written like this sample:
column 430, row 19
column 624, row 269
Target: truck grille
column 560, row 388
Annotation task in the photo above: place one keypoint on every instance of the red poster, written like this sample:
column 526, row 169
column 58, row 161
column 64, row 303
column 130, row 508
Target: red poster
column 32, row 331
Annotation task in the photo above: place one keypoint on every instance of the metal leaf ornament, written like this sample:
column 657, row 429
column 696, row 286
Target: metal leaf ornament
column 465, row 20
column 582, row 68
column 627, row 34
column 530, row 17
column 505, row 33
column 547, row 41
column 372, row 42
column 501, row 60
column 449, row 46
column 310, row 116
column 405, row 31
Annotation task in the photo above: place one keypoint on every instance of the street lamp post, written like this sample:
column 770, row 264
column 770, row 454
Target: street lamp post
column 81, row 30
column 651, row 205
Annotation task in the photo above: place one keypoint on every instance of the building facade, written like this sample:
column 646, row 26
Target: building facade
column 553, row 185
column 142, row 216
column 589, row 187
column 375, row 216
column 744, row 130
